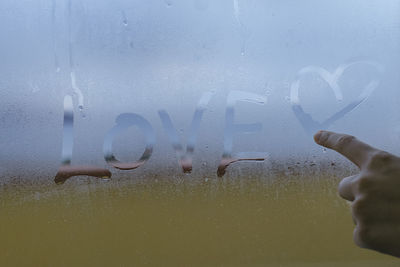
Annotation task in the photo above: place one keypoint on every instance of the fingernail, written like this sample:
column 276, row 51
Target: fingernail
column 317, row 136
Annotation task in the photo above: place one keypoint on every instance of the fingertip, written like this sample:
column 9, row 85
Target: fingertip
column 317, row 137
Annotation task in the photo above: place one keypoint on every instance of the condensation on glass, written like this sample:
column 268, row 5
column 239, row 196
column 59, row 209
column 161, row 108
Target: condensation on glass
column 191, row 86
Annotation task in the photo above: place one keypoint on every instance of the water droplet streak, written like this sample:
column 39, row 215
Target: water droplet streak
column 77, row 92
column 243, row 51
column 124, row 19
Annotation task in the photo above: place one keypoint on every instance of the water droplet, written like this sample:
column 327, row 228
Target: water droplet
column 168, row 3
column 206, row 179
column 324, row 150
column 34, row 88
column 105, row 178
column 204, row 164
column 124, row 19
column 81, row 111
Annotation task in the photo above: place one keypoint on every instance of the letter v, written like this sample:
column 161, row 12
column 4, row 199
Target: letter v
column 185, row 158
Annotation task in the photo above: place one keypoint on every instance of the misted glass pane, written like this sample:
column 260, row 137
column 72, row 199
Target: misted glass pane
column 180, row 132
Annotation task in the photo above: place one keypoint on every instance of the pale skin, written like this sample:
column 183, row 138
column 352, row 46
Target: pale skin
column 374, row 192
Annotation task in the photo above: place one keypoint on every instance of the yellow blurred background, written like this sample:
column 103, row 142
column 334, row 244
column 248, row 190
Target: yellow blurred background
column 287, row 221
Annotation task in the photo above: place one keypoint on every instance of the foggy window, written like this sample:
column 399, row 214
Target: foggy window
column 179, row 115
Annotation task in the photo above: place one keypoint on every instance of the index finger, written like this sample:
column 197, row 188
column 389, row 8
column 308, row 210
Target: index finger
column 347, row 145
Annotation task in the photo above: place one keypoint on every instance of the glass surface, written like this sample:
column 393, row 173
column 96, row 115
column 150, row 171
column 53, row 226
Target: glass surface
column 166, row 132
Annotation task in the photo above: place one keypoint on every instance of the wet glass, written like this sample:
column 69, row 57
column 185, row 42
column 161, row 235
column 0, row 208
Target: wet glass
column 171, row 132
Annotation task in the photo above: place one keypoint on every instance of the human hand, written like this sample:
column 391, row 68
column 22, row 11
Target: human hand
column 374, row 192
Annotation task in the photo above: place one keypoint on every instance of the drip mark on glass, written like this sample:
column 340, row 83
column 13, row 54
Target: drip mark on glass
column 168, row 3
column 242, row 28
column 54, row 31
column 76, row 90
column 124, row 19
column 225, row 162
column 236, row 11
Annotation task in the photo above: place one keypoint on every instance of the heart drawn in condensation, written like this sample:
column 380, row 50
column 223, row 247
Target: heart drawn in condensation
column 309, row 124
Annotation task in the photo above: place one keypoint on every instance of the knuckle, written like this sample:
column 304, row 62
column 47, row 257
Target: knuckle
column 360, row 208
column 344, row 141
column 379, row 158
column 364, row 184
column 364, row 236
